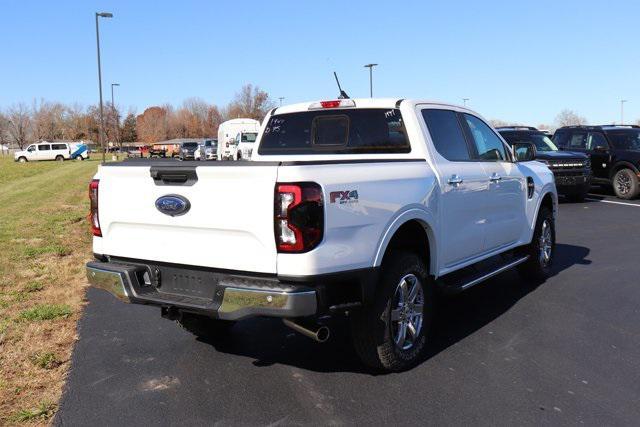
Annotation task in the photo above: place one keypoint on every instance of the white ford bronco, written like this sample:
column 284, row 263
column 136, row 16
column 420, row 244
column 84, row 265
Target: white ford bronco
column 364, row 207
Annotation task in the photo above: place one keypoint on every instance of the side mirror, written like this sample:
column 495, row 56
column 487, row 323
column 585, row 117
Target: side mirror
column 601, row 149
column 524, row 151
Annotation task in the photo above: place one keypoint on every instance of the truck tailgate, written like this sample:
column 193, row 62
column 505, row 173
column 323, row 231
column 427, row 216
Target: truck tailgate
column 229, row 224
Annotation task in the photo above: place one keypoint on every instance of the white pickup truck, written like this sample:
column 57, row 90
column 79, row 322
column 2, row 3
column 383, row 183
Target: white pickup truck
column 365, row 207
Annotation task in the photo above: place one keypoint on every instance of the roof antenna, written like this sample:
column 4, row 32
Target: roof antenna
column 343, row 94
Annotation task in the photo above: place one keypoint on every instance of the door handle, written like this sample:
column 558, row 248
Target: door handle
column 455, row 180
column 495, row 177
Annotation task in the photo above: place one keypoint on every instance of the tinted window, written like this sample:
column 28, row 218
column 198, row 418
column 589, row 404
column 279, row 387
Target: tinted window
column 44, row 147
column 540, row 140
column 488, row 144
column 249, row 137
column 560, row 138
column 190, row 145
column 58, row 147
column 596, row 139
column 446, row 134
column 625, row 139
column 370, row 130
column 577, row 140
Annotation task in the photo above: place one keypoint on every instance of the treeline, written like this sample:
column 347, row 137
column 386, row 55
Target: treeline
column 21, row 124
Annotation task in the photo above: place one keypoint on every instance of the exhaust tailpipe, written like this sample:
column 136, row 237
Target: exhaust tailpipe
column 319, row 335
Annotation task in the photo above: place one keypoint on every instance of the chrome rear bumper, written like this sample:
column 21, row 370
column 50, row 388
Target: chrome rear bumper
column 234, row 298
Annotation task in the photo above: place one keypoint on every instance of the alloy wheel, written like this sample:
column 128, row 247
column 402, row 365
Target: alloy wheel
column 407, row 312
column 545, row 245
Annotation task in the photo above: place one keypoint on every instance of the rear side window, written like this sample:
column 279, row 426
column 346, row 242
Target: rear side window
column 446, row 134
column 58, row 147
column 340, row 131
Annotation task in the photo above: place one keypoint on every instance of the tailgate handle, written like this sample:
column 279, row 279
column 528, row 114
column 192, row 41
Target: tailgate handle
column 174, row 175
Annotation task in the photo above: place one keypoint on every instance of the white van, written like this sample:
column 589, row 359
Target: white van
column 227, row 133
column 52, row 151
column 244, row 145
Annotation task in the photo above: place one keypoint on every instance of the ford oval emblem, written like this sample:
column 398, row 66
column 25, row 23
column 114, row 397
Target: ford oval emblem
column 173, row 205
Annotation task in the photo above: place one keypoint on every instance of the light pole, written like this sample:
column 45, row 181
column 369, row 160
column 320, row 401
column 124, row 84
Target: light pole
column 370, row 67
column 281, row 98
column 101, row 132
column 464, row 101
column 115, row 112
column 622, row 101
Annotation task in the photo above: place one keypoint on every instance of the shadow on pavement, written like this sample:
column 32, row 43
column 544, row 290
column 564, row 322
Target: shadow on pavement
column 269, row 342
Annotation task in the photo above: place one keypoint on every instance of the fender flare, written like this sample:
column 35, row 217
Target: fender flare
column 620, row 165
column 411, row 212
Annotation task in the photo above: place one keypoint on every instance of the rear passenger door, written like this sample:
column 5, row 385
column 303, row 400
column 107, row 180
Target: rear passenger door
column 506, row 195
column 44, row 152
column 463, row 188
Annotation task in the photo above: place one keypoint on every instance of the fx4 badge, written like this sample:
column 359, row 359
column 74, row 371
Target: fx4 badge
column 342, row 197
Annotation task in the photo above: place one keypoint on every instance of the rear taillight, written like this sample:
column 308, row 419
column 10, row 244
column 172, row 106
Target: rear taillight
column 299, row 216
column 93, row 212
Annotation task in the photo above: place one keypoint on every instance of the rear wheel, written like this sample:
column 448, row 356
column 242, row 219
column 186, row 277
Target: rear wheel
column 203, row 326
column 59, row 158
column 541, row 249
column 625, row 184
column 391, row 333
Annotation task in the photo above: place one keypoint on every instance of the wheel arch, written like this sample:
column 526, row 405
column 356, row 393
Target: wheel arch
column 623, row 164
column 411, row 229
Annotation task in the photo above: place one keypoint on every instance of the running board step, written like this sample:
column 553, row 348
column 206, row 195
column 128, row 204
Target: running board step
column 470, row 276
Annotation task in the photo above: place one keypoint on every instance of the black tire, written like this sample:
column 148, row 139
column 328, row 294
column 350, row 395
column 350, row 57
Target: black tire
column 204, row 327
column 22, row 159
column 539, row 267
column 59, row 159
column 625, row 184
column 373, row 329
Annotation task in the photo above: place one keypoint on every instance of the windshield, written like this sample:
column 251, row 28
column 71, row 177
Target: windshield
column 336, row 131
column 248, row 137
column 628, row 139
column 190, row 145
column 540, row 140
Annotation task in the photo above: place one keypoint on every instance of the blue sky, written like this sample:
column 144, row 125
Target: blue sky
column 519, row 61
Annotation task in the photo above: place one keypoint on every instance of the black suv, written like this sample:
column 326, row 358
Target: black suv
column 571, row 170
column 614, row 152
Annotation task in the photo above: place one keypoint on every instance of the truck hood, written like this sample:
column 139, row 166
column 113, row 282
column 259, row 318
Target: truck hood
column 560, row 155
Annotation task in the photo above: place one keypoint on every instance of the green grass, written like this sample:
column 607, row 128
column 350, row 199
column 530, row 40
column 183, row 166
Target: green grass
column 45, row 312
column 46, row 360
column 42, row 412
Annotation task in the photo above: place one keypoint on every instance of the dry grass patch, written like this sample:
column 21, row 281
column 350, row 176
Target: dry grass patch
column 44, row 242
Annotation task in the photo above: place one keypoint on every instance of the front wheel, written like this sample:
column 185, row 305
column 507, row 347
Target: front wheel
column 22, row 160
column 625, row 184
column 391, row 333
column 541, row 249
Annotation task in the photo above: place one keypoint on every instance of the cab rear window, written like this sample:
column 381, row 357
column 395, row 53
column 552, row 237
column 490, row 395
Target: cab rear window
column 340, row 131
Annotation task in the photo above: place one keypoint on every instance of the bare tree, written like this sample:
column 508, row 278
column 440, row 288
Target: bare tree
column 4, row 130
column 48, row 120
column 19, row 124
column 498, row 123
column 250, row 102
column 569, row 118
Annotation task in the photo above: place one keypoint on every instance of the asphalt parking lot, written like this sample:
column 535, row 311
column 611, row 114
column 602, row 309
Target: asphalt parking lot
column 565, row 352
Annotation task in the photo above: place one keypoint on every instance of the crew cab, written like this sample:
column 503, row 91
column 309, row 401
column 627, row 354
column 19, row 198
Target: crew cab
column 357, row 207
column 572, row 170
column 614, row 151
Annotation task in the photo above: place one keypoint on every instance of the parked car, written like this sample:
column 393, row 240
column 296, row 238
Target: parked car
column 362, row 207
column 572, row 170
column 157, row 150
column 59, row 151
column 208, row 149
column 187, row 150
column 244, row 142
column 614, row 151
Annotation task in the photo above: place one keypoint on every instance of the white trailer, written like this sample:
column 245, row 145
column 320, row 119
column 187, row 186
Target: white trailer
column 227, row 133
